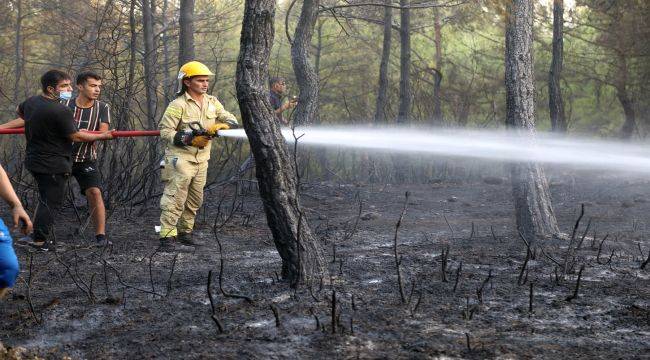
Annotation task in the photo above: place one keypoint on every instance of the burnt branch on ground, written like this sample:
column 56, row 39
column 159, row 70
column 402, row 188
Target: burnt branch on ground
column 213, row 316
column 458, row 272
column 398, row 257
column 575, row 291
column 444, row 261
column 221, row 272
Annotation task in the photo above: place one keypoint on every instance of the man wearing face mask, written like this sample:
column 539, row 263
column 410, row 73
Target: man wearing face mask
column 49, row 132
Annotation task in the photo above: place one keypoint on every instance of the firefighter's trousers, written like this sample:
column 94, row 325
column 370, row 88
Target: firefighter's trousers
column 183, row 195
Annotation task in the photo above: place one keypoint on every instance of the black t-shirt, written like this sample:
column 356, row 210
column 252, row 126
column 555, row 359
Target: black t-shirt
column 48, row 126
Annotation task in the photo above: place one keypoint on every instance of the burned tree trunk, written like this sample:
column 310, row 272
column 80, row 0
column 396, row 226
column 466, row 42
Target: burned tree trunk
column 307, row 110
column 555, row 102
column 533, row 209
column 629, row 125
column 168, row 86
column 149, row 62
column 186, row 32
column 382, row 93
column 18, row 49
column 437, row 105
column 405, row 63
column 298, row 248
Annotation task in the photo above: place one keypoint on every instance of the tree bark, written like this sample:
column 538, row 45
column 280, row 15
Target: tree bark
column 382, row 92
column 298, row 248
column 319, row 47
column 307, row 110
column 437, row 105
column 149, row 63
column 168, row 83
column 186, row 32
column 405, row 63
column 627, row 130
column 555, row 102
column 533, row 208
column 18, row 49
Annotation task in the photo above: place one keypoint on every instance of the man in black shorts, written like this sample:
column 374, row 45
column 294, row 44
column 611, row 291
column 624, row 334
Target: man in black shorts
column 49, row 132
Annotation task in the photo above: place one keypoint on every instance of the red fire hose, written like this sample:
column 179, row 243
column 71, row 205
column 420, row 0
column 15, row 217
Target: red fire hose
column 116, row 133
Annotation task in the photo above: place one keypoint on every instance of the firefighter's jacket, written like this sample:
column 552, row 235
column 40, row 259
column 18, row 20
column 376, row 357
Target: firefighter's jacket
column 184, row 110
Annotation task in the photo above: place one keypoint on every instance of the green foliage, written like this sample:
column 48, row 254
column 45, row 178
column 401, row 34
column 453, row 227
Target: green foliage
column 77, row 35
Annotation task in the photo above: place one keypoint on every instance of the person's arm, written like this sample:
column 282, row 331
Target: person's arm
column 105, row 118
column 84, row 136
column 169, row 122
column 286, row 106
column 8, row 194
column 13, row 124
column 225, row 116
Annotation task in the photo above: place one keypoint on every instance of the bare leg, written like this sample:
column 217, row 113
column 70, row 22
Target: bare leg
column 97, row 210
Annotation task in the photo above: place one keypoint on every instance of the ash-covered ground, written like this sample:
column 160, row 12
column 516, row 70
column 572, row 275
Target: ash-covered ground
column 134, row 302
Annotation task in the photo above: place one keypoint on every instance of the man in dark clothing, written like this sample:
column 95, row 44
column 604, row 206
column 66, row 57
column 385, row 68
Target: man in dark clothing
column 50, row 132
column 278, row 87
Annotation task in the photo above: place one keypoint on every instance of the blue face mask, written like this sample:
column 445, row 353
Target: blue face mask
column 65, row 95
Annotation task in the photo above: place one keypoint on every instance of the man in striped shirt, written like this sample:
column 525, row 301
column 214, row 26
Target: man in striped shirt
column 92, row 115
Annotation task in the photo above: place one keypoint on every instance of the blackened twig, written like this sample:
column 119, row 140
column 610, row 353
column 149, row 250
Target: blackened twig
column 221, row 272
column 443, row 263
column 645, row 263
column 334, row 312
column 575, row 292
column 600, row 249
column 458, row 271
column 584, row 234
column 171, row 274
column 276, row 314
column 398, row 258
column 311, row 310
column 214, row 314
column 479, row 291
column 530, row 299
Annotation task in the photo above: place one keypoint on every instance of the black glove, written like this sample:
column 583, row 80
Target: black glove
column 183, row 138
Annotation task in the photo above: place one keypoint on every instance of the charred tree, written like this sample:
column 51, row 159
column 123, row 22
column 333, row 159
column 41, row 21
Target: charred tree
column 533, row 208
column 149, row 62
column 621, row 85
column 437, row 72
column 555, row 102
column 382, row 92
column 298, row 248
column 186, row 32
column 405, row 63
column 168, row 83
column 319, row 47
column 307, row 110
column 18, row 49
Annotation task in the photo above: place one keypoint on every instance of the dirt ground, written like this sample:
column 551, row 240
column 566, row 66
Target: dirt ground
column 133, row 302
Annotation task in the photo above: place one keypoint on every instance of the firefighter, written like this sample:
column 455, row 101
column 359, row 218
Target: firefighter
column 186, row 129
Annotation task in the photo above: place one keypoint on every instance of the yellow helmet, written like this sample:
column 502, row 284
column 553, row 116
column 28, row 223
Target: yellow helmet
column 193, row 68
